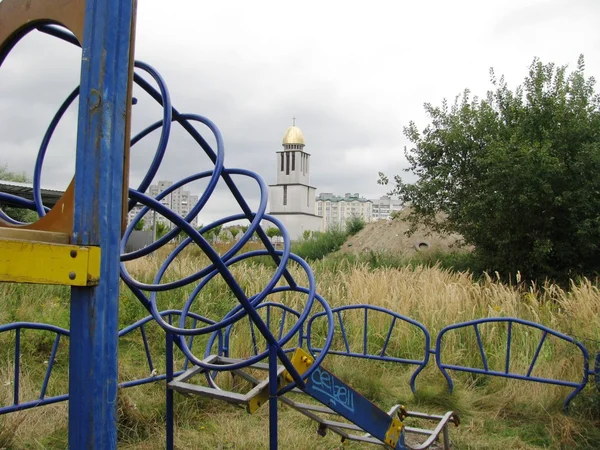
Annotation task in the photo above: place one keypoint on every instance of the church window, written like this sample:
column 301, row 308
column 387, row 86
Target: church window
column 282, row 162
column 284, row 195
column 293, row 161
column 287, row 163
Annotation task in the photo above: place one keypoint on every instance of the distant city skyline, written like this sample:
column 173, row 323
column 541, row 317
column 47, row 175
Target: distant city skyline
column 351, row 92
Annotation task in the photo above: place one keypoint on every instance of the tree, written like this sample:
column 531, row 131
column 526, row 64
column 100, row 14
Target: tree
column 516, row 174
column 234, row 232
column 140, row 225
column 273, row 231
column 161, row 229
column 18, row 214
column 212, row 235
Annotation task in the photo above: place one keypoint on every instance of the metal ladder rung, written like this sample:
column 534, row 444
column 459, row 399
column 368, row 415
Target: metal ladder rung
column 316, row 408
column 343, row 425
column 368, row 439
column 419, row 431
column 253, row 400
column 208, row 392
column 195, row 369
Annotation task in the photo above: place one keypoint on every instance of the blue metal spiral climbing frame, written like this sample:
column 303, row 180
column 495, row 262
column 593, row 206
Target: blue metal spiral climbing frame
column 101, row 196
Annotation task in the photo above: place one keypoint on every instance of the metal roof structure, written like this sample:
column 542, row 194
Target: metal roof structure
column 25, row 190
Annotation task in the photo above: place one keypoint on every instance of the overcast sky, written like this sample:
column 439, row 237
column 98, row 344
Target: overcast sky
column 352, row 73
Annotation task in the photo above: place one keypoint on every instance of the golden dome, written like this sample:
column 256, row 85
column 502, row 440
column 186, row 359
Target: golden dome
column 293, row 135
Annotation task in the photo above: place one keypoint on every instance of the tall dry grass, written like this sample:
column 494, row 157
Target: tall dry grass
column 497, row 413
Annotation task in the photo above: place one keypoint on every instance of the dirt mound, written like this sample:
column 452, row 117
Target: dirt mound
column 389, row 236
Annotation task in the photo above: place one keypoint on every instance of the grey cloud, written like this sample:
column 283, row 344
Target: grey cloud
column 351, row 83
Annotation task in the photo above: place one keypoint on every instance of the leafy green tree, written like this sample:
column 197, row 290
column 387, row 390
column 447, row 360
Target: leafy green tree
column 19, row 214
column 234, row 232
column 272, row 232
column 212, row 234
column 517, row 174
column 161, row 229
column 244, row 228
column 217, row 232
column 140, row 225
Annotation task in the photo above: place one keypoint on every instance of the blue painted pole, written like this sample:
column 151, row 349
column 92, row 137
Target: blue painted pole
column 169, row 392
column 102, row 137
column 273, row 397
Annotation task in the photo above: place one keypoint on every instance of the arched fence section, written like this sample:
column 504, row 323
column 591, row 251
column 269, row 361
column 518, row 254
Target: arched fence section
column 60, row 336
column 350, row 343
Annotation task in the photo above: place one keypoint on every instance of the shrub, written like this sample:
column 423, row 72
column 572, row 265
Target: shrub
column 354, row 224
column 320, row 244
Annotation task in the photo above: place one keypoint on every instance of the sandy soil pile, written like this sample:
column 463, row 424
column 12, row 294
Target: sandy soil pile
column 389, row 236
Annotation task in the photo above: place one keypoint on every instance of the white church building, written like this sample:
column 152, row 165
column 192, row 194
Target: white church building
column 292, row 198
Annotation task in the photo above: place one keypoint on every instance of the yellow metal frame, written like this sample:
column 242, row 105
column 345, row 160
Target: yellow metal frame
column 394, row 432
column 301, row 360
column 48, row 263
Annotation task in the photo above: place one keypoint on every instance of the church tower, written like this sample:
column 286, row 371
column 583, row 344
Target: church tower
column 292, row 199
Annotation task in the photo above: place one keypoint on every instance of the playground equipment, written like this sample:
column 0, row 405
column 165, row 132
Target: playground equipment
column 80, row 244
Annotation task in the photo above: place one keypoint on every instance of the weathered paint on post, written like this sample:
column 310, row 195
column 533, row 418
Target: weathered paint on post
column 102, row 143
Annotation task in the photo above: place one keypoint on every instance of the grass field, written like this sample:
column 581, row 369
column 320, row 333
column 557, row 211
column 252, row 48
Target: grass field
column 496, row 413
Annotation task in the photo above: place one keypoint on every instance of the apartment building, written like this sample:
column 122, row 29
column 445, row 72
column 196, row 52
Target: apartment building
column 384, row 206
column 179, row 201
column 336, row 210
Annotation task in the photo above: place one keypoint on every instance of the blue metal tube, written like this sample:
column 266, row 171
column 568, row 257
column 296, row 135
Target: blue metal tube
column 254, row 343
column 508, row 344
column 130, row 328
column 165, row 131
column 282, row 324
column 480, row 344
column 146, row 348
column 365, row 331
column 339, row 314
column 50, row 365
column 33, row 404
column 17, row 365
column 422, row 364
column 515, row 376
column 169, row 392
column 537, row 352
column 415, row 362
column 387, row 338
column 33, row 326
column 17, row 201
column 37, row 173
column 99, row 170
column 181, row 118
column 511, row 320
column 273, row 396
column 189, row 344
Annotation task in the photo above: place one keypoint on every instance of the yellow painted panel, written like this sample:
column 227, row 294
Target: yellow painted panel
column 301, row 360
column 46, row 263
column 394, row 432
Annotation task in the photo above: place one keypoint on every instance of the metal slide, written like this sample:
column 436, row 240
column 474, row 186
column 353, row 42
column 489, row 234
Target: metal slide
column 342, row 410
